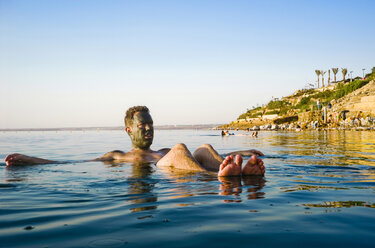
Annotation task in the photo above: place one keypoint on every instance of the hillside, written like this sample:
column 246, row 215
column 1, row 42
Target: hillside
column 340, row 100
column 362, row 99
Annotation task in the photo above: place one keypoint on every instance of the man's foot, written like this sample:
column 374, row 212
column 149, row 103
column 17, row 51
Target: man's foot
column 254, row 167
column 179, row 157
column 231, row 166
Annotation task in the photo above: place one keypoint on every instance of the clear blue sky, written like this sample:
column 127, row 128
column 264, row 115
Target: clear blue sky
column 83, row 63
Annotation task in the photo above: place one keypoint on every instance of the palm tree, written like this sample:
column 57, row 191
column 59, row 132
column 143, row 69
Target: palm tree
column 329, row 76
column 335, row 71
column 322, row 73
column 344, row 71
column 318, row 74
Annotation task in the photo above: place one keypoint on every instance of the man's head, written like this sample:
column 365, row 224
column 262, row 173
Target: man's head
column 139, row 126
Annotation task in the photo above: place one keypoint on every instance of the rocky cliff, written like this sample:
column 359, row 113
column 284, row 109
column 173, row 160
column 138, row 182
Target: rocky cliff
column 361, row 100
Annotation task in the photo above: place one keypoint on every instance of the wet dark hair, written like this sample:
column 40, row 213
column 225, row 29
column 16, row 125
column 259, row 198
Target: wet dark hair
column 130, row 114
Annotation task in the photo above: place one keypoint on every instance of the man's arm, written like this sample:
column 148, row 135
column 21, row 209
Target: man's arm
column 246, row 153
column 113, row 155
column 21, row 159
column 164, row 151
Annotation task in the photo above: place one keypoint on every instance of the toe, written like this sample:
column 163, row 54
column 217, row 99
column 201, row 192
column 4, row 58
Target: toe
column 224, row 163
column 239, row 160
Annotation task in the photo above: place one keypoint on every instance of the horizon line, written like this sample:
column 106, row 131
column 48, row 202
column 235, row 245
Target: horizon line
column 97, row 128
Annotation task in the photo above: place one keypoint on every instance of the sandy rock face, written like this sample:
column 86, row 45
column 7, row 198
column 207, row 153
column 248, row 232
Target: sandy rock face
column 362, row 99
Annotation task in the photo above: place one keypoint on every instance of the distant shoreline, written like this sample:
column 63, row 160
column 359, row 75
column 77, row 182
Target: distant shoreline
column 161, row 127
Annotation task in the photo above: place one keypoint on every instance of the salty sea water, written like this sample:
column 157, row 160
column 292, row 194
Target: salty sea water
column 319, row 191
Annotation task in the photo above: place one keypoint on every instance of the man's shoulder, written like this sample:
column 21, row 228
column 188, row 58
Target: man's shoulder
column 117, row 151
column 112, row 155
column 164, row 150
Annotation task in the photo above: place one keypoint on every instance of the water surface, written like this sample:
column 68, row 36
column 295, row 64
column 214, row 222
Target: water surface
column 318, row 191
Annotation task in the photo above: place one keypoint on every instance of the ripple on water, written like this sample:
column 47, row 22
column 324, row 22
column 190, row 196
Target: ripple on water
column 7, row 185
column 107, row 243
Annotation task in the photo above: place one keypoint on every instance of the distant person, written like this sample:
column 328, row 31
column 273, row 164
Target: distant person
column 228, row 133
column 343, row 115
column 139, row 127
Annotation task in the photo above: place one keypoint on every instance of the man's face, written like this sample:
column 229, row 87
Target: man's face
column 141, row 131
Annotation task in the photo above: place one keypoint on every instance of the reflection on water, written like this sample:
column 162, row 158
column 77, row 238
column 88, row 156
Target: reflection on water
column 310, row 188
column 342, row 204
column 330, row 147
column 141, row 186
column 234, row 186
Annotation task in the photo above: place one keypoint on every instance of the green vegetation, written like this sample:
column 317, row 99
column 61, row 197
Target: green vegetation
column 344, row 89
column 304, row 92
column 371, row 75
column 277, row 104
column 273, row 112
column 304, row 103
column 279, row 107
column 253, row 113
